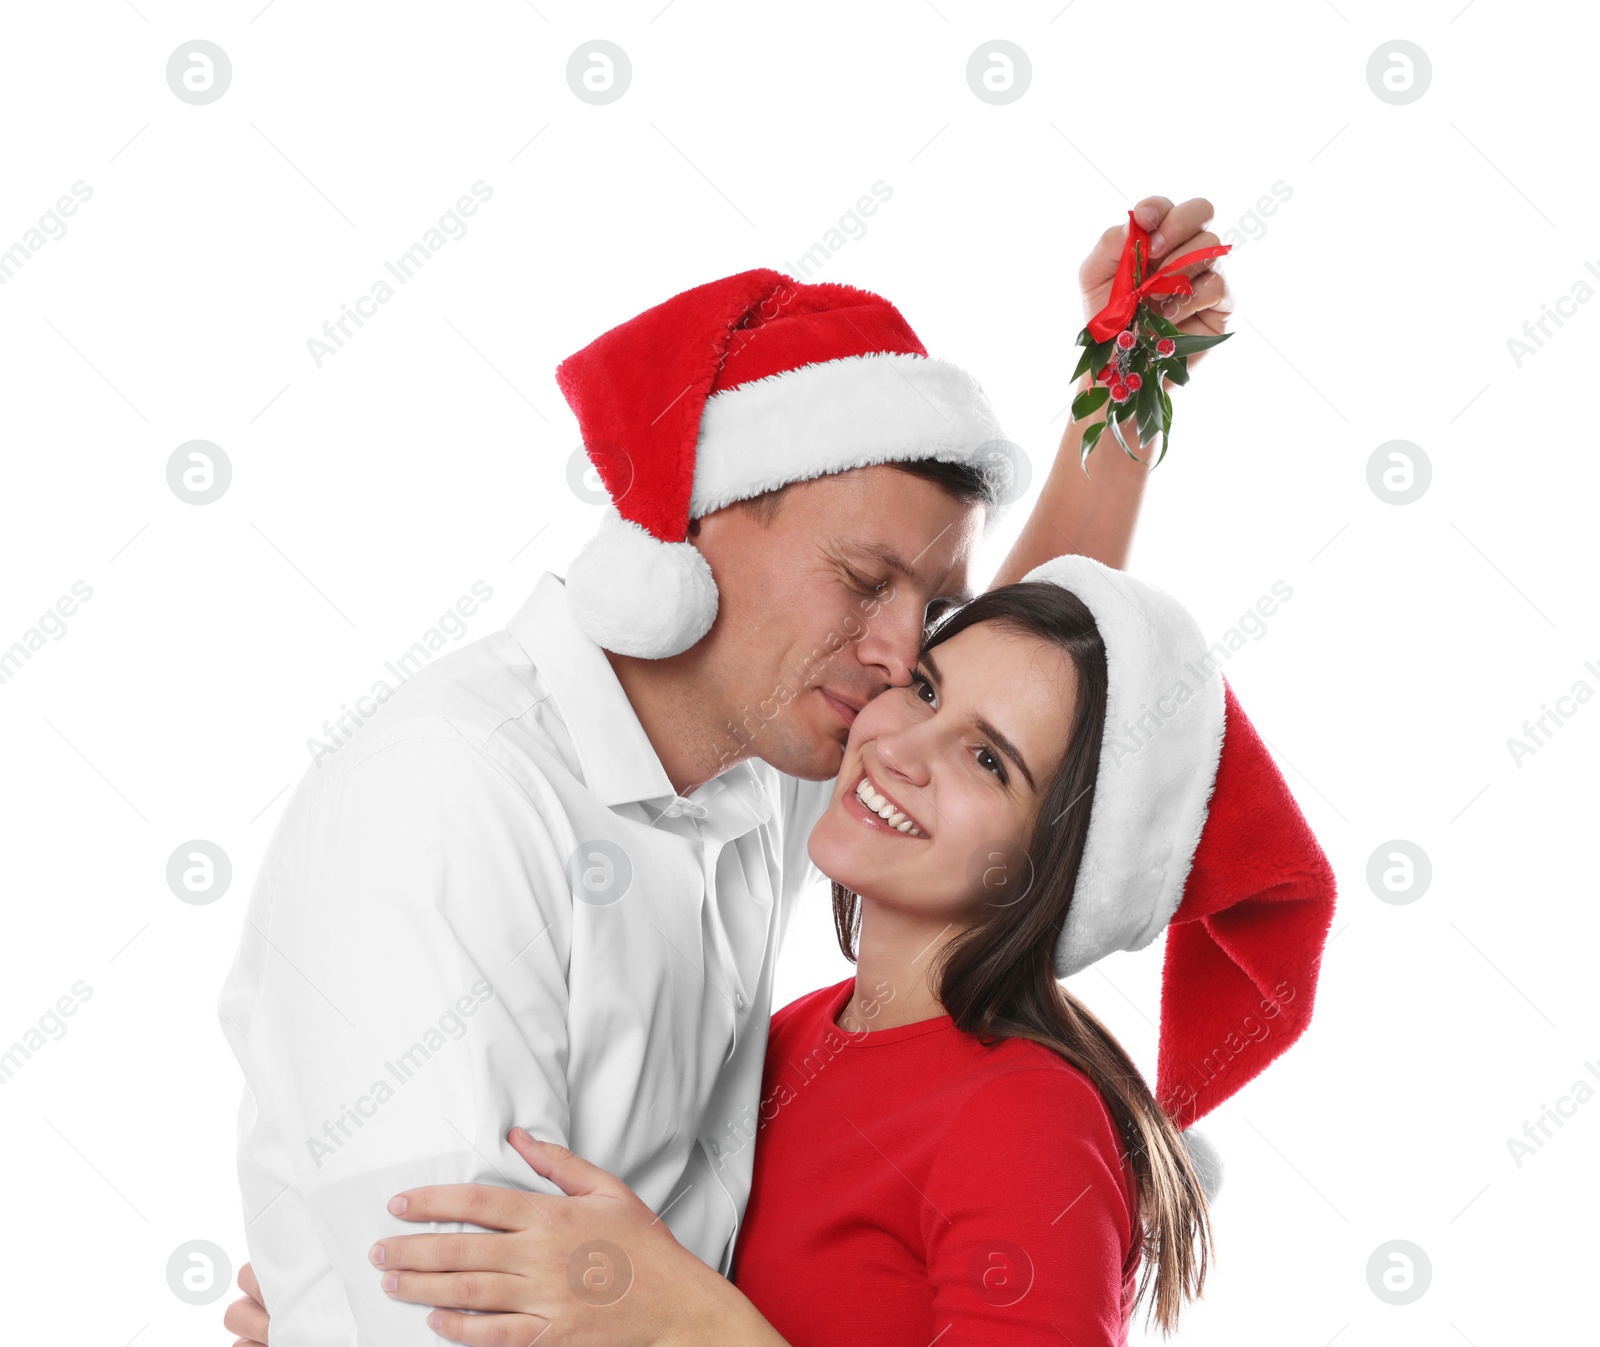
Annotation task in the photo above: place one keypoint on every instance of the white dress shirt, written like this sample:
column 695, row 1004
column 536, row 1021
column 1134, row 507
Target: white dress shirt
column 489, row 907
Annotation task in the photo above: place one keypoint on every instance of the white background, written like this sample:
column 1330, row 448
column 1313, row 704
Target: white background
column 367, row 495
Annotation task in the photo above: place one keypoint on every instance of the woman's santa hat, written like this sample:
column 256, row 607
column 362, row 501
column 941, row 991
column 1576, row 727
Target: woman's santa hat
column 1193, row 831
column 729, row 390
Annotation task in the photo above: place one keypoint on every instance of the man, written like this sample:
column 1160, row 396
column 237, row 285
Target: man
column 547, row 884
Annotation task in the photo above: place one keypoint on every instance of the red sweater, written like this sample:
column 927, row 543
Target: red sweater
column 913, row 1187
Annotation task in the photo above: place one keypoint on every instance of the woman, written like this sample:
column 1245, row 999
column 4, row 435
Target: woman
column 951, row 1147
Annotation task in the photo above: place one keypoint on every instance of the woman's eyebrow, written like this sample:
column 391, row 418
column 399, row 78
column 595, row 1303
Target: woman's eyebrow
column 1008, row 748
column 1000, row 740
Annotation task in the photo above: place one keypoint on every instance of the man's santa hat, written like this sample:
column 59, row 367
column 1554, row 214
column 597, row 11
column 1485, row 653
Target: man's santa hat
column 729, row 390
column 1193, row 830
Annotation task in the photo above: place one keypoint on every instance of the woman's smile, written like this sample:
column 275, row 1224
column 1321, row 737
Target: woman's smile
column 876, row 809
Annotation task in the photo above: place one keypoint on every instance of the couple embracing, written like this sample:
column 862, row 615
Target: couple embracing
column 506, row 975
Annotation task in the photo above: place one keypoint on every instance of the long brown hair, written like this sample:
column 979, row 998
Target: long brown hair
column 997, row 979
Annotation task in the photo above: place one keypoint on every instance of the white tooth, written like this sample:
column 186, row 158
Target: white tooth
column 887, row 810
column 904, row 826
column 895, row 819
column 878, row 801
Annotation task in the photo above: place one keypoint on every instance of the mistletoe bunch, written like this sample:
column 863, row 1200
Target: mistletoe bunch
column 1129, row 348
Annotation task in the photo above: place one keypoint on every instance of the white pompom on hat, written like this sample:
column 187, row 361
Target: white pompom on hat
column 633, row 593
column 729, row 390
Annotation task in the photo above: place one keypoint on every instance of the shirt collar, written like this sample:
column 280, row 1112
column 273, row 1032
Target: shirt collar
column 734, row 802
column 620, row 764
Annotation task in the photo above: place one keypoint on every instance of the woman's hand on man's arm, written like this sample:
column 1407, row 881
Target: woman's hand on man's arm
column 596, row 1266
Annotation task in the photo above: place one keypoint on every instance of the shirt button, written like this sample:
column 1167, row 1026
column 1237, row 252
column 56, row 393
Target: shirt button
column 695, row 810
column 672, row 811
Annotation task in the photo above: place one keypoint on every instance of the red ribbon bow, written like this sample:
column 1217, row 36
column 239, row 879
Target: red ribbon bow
column 1126, row 296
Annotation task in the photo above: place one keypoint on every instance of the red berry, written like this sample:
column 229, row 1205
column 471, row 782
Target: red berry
column 1166, row 346
column 1106, row 371
column 1135, row 382
column 1119, row 391
column 1125, row 340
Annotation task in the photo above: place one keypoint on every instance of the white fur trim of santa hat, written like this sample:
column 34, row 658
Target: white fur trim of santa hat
column 1158, row 762
column 839, row 414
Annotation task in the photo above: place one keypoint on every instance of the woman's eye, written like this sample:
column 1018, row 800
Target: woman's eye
column 919, row 684
column 866, row 586
column 993, row 763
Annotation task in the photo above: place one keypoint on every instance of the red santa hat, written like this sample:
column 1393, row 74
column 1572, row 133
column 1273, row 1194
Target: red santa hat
column 1193, row 831
column 729, row 390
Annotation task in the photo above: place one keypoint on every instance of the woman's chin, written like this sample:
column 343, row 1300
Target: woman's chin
column 849, row 854
column 827, row 852
column 837, row 850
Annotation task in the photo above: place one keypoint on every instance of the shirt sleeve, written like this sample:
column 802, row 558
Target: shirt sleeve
column 1026, row 1221
column 398, row 1002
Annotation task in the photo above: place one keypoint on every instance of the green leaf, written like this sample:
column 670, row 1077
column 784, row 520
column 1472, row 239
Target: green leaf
column 1094, row 357
column 1154, row 321
column 1084, row 338
column 1166, row 424
column 1091, row 437
column 1147, row 404
column 1176, row 369
column 1190, row 345
column 1088, row 402
column 1116, row 429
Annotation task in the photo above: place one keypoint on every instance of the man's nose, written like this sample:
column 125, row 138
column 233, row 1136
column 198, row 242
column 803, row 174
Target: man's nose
column 892, row 641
